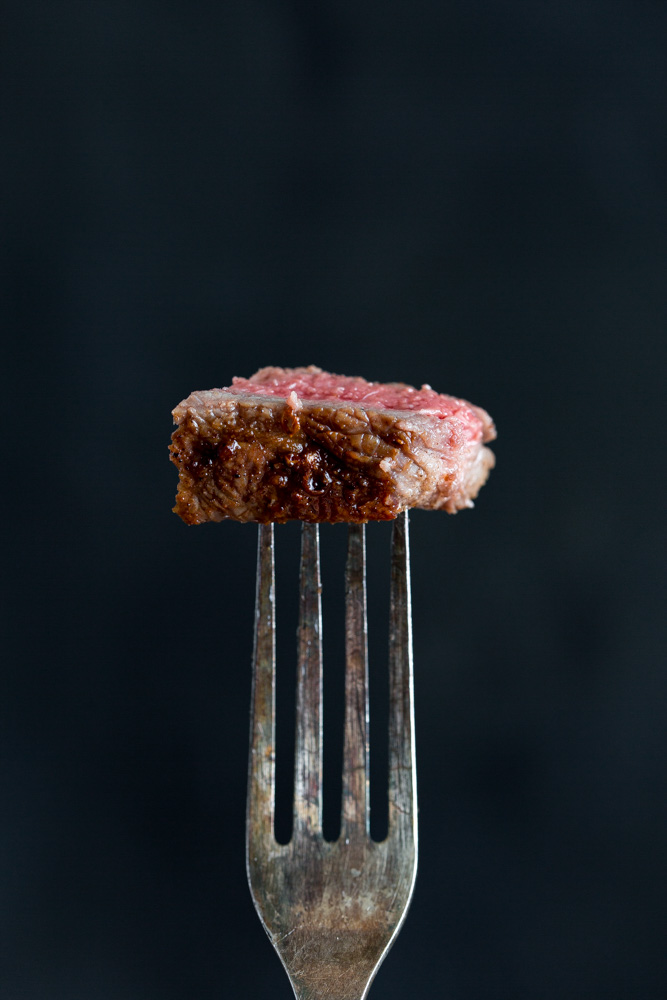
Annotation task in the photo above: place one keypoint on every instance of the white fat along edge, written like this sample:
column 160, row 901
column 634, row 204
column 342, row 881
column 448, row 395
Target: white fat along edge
column 293, row 401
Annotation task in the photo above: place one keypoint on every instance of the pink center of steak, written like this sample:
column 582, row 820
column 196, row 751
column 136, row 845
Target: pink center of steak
column 312, row 383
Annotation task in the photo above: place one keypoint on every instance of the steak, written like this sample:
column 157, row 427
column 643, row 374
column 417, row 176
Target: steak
column 300, row 443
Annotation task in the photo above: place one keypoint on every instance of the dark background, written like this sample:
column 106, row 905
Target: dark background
column 471, row 195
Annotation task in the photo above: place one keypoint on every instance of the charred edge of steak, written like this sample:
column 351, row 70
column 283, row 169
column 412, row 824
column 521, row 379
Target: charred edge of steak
column 243, row 477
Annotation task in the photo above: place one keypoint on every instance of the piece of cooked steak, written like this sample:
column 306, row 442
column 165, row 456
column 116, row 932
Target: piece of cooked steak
column 299, row 443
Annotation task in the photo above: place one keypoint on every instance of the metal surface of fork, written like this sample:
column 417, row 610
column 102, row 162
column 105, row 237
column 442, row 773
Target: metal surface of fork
column 332, row 910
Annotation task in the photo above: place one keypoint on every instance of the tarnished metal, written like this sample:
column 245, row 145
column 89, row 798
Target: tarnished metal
column 332, row 910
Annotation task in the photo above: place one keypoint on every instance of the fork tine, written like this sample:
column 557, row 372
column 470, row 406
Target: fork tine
column 355, row 747
column 262, row 755
column 402, row 776
column 308, row 747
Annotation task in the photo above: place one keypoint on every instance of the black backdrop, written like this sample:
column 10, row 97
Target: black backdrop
column 471, row 195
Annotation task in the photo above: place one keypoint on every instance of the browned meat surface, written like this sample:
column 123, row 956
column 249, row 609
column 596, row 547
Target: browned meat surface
column 303, row 444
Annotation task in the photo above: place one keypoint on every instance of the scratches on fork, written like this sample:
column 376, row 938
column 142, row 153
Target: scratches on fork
column 308, row 747
column 261, row 801
column 332, row 910
column 354, row 821
column 402, row 779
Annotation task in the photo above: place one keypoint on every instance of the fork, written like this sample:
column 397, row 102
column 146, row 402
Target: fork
column 332, row 909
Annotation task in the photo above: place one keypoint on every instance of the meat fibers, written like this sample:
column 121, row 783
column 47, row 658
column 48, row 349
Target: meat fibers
column 300, row 443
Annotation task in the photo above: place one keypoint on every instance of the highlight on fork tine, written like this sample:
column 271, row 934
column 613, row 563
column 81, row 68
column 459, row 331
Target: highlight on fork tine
column 355, row 814
column 308, row 743
column 261, row 767
column 402, row 768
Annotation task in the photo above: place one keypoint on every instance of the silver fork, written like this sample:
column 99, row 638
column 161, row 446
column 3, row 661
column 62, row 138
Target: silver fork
column 332, row 910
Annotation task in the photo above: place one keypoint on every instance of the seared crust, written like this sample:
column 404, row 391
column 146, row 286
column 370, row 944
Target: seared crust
column 261, row 458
